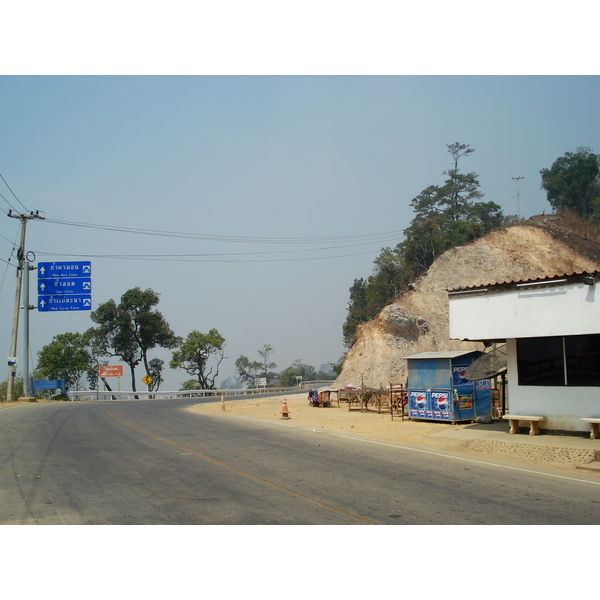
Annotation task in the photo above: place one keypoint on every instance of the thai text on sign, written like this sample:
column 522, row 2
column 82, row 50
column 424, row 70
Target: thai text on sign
column 110, row 371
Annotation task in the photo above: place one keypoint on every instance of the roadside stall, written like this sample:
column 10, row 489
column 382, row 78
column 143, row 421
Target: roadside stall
column 438, row 390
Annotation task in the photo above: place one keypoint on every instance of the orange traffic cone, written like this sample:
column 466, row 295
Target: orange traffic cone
column 285, row 413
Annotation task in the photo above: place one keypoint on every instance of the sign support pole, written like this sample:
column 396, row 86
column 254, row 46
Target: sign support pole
column 26, row 309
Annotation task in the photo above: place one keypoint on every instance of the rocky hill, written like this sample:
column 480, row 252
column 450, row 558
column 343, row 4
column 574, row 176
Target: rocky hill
column 417, row 320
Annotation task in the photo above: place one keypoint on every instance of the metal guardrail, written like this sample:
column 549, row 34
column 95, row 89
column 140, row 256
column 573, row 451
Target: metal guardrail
column 145, row 395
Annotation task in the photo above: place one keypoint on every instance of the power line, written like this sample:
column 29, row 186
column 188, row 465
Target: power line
column 194, row 258
column 231, row 239
column 15, row 196
column 9, row 204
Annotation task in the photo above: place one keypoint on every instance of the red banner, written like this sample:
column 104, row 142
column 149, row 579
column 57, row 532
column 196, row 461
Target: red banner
column 110, row 371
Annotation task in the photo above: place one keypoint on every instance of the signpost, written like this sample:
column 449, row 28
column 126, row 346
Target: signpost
column 105, row 371
column 110, row 371
column 64, row 286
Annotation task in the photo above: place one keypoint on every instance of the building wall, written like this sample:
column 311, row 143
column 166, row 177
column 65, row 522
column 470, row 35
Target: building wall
column 562, row 406
column 526, row 312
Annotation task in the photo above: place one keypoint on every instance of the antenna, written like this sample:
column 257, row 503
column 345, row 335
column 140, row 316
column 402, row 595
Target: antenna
column 518, row 196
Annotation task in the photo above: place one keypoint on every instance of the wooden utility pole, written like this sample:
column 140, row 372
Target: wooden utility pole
column 12, row 368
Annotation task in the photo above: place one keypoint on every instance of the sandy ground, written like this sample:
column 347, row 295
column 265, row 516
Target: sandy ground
column 489, row 441
column 371, row 424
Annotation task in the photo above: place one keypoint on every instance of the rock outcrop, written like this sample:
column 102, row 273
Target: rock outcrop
column 417, row 320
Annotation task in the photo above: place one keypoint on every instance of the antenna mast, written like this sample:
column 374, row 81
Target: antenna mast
column 518, row 196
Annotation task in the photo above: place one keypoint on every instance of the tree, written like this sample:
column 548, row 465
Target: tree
column 131, row 328
column 68, row 355
column 266, row 365
column 248, row 371
column 17, row 389
column 194, row 353
column 231, row 384
column 446, row 215
column 188, row 385
column 573, row 182
column 156, row 368
column 287, row 377
column 460, row 189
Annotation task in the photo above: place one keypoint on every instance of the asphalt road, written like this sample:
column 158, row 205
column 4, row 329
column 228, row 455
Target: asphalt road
column 151, row 462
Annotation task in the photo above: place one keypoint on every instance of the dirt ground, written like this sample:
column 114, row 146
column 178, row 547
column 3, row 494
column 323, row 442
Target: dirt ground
column 558, row 452
column 371, row 424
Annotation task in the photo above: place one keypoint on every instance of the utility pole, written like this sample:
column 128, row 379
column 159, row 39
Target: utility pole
column 518, row 196
column 12, row 368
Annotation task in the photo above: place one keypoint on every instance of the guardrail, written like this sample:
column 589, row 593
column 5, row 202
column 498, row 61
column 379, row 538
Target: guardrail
column 145, row 395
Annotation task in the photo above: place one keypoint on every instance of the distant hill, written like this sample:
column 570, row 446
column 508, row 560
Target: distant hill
column 417, row 320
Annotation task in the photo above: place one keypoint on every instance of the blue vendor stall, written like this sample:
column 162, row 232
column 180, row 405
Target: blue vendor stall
column 438, row 390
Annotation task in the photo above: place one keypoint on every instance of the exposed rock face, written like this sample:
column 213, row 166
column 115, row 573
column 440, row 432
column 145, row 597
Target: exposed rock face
column 417, row 320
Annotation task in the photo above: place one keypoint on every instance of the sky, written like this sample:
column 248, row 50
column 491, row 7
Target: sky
column 275, row 192
column 249, row 165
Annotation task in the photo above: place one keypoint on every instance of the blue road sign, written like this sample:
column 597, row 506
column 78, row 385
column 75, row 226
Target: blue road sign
column 64, row 302
column 64, row 286
column 51, row 270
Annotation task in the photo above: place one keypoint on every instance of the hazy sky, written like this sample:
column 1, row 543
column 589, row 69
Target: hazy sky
column 288, row 185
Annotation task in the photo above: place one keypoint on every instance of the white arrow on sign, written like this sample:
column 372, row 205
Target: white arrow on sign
column 43, row 287
column 87, row 302
column 42, row 270
column 87, row 285
column 43, row 303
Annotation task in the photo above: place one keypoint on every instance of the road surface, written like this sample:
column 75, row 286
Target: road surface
column 153, row 462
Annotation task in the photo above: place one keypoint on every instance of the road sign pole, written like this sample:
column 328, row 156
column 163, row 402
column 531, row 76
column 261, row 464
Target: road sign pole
column 26, row 309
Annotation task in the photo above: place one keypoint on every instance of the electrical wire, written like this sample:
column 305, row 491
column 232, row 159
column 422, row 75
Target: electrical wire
column 226, row 238
column 194, row 258
column 15, row 196
column 317, row 245
column 7, row 202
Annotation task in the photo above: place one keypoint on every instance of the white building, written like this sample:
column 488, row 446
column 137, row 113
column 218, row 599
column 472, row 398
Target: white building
column 552, row 332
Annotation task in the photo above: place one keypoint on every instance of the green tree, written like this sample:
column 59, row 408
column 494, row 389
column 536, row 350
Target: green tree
column 156, row 366
column 131, row 328
column 189, row 384
column 68, row 355
column 573, row 182
column 267, row 365
column 17, row 389
column 194, row 353
column 446, row 215
column 247, row 371
column 460, row 189
column 287, row 377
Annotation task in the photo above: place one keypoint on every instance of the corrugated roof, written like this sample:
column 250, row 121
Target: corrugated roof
column 549, row 280
column 450, row 354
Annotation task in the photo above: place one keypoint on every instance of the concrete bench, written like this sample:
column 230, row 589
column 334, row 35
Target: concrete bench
column 532, row 420
column 594, row 422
